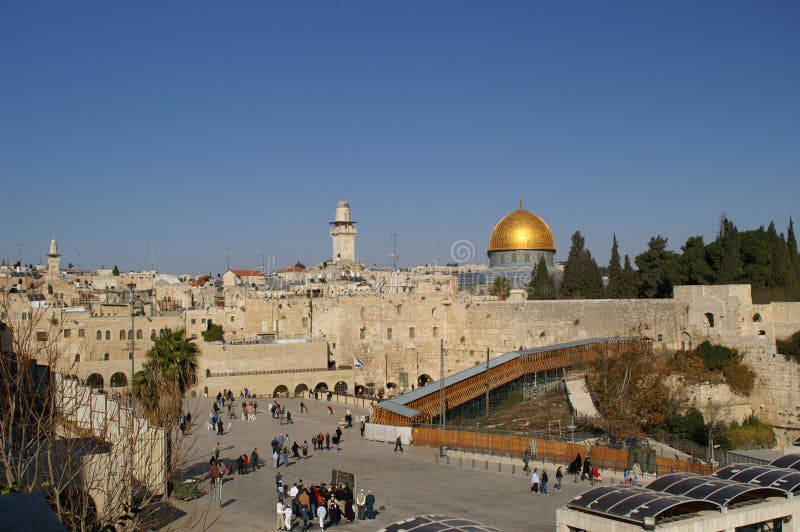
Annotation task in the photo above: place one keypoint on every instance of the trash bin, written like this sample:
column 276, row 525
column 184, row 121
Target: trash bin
column 443, row 450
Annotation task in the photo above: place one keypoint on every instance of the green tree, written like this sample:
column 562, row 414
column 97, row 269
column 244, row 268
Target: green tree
column 500, row 288
column 542, row 285
column 581, row 275
column 168, row 372
column 794, row 258
column 726, row 253
column 695, row 268
column 659, row 269
column 299, row 264
column 616, row 282
column 782, row 274
column 630, row 280
column 115, row 271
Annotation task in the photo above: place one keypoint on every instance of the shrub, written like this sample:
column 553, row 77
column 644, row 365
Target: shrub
column 790, row 348
column 213, row 333
column 513, row 397
column 751, row 434
column 716, row 356
column 740, row 377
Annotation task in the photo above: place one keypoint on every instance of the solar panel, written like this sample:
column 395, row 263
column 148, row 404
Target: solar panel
column 763, row 475
column 791, row 461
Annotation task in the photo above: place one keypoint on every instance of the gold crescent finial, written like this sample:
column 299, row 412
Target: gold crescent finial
column 520, row 203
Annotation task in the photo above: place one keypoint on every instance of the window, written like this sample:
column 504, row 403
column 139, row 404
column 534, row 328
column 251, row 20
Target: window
column 108, row 334
column 660, row 337
column 121, row 334
column 305, row 323
column 24, row 316
column 232, row 318
column 411, row 332
column 193, row 321
column 82, row 333
column 203, row 320
column 41, row 336
column 709, row 320
column 99, row 335
column 389, row 333
column 77, row 357
column 152, row 332
column 435, row 332
column 130, row 334
column 139, row 334
column 105, row 356
column 67, row 333
column 362, row 333
column 757, row 317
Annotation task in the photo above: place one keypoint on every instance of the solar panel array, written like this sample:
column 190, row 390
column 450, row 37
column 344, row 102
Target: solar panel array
column 718, row 490
column 763, row 475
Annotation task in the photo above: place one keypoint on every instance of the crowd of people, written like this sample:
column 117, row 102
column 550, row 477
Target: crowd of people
column 321, row 504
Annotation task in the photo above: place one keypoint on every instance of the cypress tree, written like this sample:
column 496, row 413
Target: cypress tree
column 794, row 258
column 615, row 280
column 630, row 288
column 581, row 275
column 542, row 285
column 781, row 263
column 729, row 268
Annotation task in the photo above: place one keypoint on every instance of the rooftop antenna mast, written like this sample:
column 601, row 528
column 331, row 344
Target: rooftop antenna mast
column 20, row 247
column 393, row 255
column 228, row 258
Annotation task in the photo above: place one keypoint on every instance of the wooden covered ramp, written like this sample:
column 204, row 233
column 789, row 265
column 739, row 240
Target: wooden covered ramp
column 423, row 404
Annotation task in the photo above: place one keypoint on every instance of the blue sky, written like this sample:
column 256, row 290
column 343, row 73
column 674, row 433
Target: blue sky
column 187, row 128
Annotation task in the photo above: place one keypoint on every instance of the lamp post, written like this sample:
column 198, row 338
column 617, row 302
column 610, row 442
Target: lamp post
column 132, row 287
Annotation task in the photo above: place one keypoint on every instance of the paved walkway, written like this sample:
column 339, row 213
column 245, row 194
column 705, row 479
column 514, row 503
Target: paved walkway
column 580, row 399
column 408, row 484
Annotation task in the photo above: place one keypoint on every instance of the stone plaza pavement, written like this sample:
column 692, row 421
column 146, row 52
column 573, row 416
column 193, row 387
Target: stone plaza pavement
column 407, row 484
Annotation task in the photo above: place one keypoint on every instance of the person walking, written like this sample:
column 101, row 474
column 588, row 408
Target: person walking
column 545, row 478
column 327, row 441
column 559, row 479
column 398, row 444
column 535, row 481
column 275, row 458
column 254, row 459
column 280, row 518
column 361, row 500
column 285, row 457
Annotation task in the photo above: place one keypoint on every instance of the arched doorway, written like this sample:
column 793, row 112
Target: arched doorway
column 95, row 380
column 281, row 391
column 118, row 379
column 361, row 389
column 321, row 388
column 300, row 389
column 423, row 380
column 686, row 341
column 340, row 388
column 392, row 389
column 708, row 320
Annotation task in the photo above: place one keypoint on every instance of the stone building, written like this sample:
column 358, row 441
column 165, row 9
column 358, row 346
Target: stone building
column 343, row 234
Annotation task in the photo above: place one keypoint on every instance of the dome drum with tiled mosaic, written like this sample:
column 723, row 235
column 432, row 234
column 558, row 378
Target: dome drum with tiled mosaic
column 519, row 240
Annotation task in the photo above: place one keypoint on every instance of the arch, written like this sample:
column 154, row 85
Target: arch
column 99, row 335
column 756, row 317
column 139, row 334
column 423, row 380
column 108, row 334
column 106, row 356
column 300, row 389
column 281, row 391
column 321, row 387
column 708, row 320
column 340, row 387
column 118, row 379
column 361, row 389
column 95, row 380
column 392, row 389
column 686, row 341
column 122, row 334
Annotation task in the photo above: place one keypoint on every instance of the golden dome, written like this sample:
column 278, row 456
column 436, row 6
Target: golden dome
column 521, row 230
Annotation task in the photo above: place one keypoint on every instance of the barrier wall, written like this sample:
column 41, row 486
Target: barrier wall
column 387, row 433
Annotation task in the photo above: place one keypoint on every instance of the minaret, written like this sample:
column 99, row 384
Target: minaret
column 343, row 234
column 53, row 260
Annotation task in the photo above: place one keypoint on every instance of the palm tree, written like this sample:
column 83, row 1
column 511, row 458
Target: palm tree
column 167, row 374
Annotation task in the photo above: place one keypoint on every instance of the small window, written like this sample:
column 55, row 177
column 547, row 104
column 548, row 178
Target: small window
column 130, row 355
column 757, row 317
column 305, row 323
column 130, row 334
column 232, row 318
column 203, row 320
column 67, row 333
column 139, row 334
column 362, row 333
column 108, row 334
column 105, row 356
column 762, row 333
column 193, row 321
column 99, row 335
column 152, row 332
column 411, row 332
column 82, row 333
column 709, row 320
column 435, row 332
column 121, row 334
column 389, row 333
column 41, row 336
column 660, row 337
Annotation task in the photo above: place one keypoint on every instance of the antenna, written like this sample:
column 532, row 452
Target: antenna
column 20, row 247
column 152, row 257
column 228, row 257
column 393, row 255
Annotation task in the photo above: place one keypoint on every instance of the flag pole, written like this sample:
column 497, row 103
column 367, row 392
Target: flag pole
column 354, row 381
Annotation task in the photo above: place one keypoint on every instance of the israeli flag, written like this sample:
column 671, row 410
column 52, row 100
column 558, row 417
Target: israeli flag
column 357, row 363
